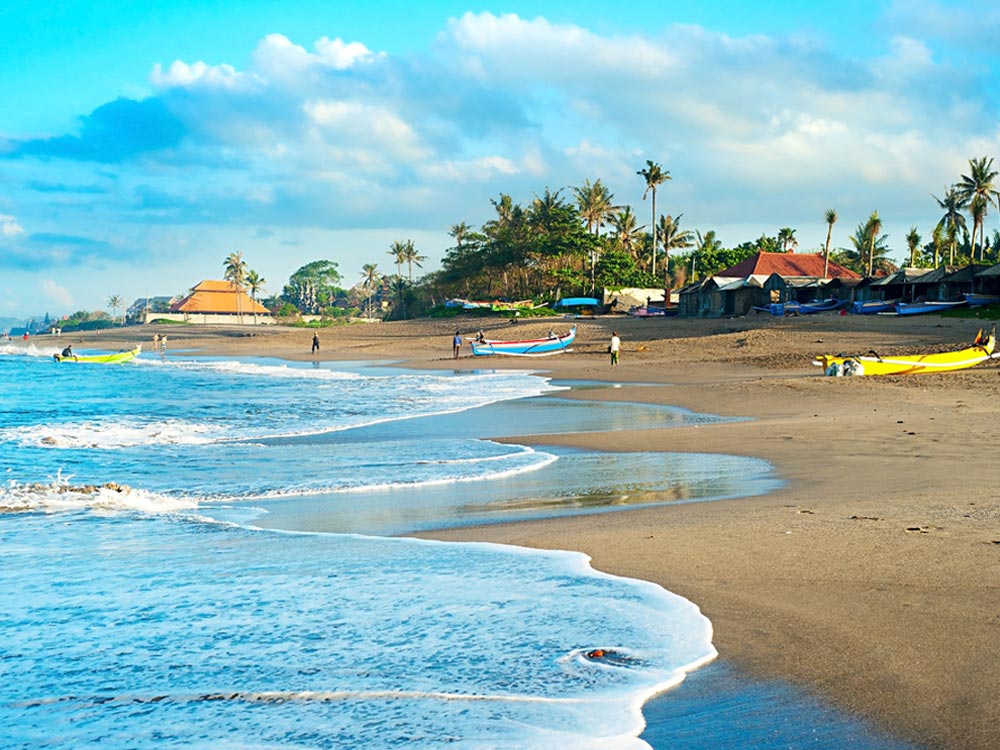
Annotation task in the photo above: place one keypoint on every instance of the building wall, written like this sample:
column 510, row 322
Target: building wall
column 214, row 319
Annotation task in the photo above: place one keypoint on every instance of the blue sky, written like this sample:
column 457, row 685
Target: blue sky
column 141, row 143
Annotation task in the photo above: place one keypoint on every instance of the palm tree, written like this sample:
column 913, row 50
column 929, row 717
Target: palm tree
column 953, row 219
column 412, row 258
column 873, row 228
column 786, row 236
column 624, row 231
column 869, row 244
column 398, row 252
column 979, row 184
column 655, row 176
column 706, row 245
column 460, row 232
column 115, row 303
column 672, row 237
column 255, row 283
column 594, row 204
column 977, row 210
column 938, row 240
column 236, row 273
column 370, row 281
column 913, row 242
column 831, row 219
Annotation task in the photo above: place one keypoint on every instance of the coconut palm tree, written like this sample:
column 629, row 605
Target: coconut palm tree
column 115, row 303
column 655, row 175
column 236, row 274
column 786, row 236
column 255, row 284
column 460, row 232
column 398, row 252
column 831, row 219
column 625, row 233
column 979, row 184
column 594, row 204
column 953, row 220
column 672, row 237
column 869, row 244
column 706, row 246
column 412, row 258
column 913, row 242
column 370, row 281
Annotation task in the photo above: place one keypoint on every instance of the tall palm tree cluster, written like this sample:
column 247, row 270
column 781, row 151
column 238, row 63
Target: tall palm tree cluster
column 974, row 193
column 563, row 242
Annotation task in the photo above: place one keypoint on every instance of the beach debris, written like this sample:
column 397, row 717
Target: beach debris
column 865, row 518
column 918, row 529
column 804, row 510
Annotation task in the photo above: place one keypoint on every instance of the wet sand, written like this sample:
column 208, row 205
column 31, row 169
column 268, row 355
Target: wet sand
column 872, row 578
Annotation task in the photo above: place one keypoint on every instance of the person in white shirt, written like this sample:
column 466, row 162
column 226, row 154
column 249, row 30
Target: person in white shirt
column 616, row 345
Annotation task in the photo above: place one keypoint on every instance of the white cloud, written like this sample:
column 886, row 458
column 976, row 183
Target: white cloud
column 55, row 293
column 278, row 59
column 184, row 75
column 9, row 227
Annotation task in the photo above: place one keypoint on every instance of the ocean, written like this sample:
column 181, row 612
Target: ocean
column 208, row 552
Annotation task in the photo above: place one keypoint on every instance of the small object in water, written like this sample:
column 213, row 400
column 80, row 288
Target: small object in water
column 597, row 653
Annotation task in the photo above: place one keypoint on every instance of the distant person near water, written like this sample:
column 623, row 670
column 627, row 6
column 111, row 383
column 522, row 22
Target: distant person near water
column 315, row 343
column 456, row 345
column 616, row 345
column 163, row 344
column 156, row 342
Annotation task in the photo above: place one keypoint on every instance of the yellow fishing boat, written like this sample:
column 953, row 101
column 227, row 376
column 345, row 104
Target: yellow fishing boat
column 873, row 364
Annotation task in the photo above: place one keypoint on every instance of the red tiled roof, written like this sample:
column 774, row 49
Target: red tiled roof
column 218, row 297
column 787, row 264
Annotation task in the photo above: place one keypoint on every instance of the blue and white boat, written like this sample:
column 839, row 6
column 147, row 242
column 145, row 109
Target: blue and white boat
column 526, row 347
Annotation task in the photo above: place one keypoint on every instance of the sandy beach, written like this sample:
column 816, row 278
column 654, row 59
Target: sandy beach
column 870, row 578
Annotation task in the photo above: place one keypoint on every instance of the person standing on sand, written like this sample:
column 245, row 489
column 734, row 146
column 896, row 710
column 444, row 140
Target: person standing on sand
column 315, row 343
column 156, row 342
column 163, row 344
column 456, row 345
column 616, row 345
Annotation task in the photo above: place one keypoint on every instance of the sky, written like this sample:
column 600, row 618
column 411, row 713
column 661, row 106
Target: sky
column 141, row 143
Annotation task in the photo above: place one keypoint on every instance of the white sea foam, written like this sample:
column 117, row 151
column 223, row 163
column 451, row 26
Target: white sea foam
column 109, row 434
column 61, row 495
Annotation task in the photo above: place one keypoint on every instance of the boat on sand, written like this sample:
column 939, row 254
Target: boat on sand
column 873, row 364
column 919, row 308
column 115, row 358
column 526, row 347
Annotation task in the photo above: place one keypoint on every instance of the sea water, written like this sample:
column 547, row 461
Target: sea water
column 154, row 611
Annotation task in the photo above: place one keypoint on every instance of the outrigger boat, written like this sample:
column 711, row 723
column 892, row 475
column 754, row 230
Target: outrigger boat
column 873, row 364
column 874, row 306
column 981, row 300
column 919, row 308
column 525, row 348
column 116, row 358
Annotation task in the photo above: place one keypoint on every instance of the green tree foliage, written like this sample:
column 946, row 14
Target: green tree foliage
column 313, row 287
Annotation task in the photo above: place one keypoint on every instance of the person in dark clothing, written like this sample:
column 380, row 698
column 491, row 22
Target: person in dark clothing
column 315, row 343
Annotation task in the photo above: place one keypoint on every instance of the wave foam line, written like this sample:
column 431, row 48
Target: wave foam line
column 289, row 696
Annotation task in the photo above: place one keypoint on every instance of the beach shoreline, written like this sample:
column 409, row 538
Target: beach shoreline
column 869, row 579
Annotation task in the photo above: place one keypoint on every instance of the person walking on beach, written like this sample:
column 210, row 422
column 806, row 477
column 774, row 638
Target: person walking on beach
column 156, row 342
column 315, row 343
column 456, row 345
column 163, row 344
column 616, row 345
